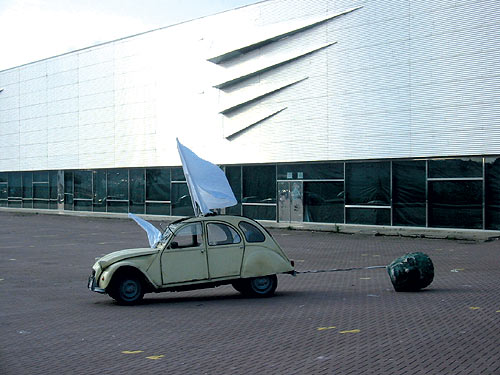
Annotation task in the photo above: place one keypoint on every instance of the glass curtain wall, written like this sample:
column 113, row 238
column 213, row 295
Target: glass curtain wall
column 258, row 193
column 439, row 193
column 455, row 193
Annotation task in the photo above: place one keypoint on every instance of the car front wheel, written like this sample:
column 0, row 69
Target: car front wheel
column 263, row 286
column 127, row 290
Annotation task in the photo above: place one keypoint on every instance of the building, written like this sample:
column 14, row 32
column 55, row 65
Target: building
column 367, row 112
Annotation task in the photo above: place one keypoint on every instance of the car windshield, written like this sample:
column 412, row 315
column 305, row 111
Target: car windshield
column 167, row 233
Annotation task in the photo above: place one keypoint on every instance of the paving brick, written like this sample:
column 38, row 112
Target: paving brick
column 51, row 324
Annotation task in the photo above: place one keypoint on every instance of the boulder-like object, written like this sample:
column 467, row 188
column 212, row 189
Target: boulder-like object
column 411, row 272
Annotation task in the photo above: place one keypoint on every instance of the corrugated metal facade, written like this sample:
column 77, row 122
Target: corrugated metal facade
column 390, row 79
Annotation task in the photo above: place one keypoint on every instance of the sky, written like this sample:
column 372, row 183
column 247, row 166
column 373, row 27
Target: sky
column 31, row 30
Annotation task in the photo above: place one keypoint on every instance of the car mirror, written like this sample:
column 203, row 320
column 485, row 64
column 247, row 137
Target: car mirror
column 174, row 245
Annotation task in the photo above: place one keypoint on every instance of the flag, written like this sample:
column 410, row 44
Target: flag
column 207, row 183
column 154, row 235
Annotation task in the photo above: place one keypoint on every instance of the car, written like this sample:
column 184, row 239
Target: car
column 195, row 253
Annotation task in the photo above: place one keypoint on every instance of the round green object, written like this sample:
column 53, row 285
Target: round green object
column 411, row 272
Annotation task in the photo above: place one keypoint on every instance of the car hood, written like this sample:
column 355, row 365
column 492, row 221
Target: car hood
column 116, row 256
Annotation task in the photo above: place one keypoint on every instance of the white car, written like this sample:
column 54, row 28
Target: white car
column 195, row 253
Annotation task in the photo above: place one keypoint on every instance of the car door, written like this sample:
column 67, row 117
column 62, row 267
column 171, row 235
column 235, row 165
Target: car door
column 185, row 258
column 225, row 250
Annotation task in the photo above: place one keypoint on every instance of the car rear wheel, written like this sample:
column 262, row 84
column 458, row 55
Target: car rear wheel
column 127, row 290
column 263, row 286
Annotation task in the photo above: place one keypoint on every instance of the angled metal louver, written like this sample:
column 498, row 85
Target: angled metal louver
column 260, row 92
column 233, row 128
column 267, row 65
column 280, row 32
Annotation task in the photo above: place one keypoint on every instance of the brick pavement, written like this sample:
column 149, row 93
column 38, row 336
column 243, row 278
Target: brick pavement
column 330, row 323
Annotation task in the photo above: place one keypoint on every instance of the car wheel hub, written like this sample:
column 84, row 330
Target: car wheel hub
column 261, row 284
column 129, row 289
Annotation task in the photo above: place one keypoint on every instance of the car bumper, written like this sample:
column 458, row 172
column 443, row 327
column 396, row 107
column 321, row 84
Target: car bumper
column 92, row 285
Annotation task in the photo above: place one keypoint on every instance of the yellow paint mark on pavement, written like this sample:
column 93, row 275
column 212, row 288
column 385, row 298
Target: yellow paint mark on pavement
column 474, row 308
column 351, row 331
column 12, row 259
column 365, row 278
column 155, row 357
column 364, row 255
column 495, row 311
column 325, row 328
column 132, row 351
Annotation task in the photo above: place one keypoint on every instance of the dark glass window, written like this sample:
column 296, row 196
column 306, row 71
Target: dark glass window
column 117, row 206
column 83, row 184
column 259, row 184
column 233, row 175
column 40, row 190
column 68, row 190
column 181, row 201
column 456, row 204
column 492, row 182
column 3, row 177
column 82, row 205
column 41, row 203
column 117, row 184
column 27, row 185
column 53, row 184
column 178, row 174
column 15, row 185
column 251, row 232
column 137, row 191
column 368, row 216
column 408, row 193
column 316, row 171
column 456, row 168
column 14, row 203
column 368, row 183
column 27, row 190
column 260, row 212
column 158, row 184
column 41, row 176
column 154, row 208
column 100, row 194
column 3, row 190
column 324, row 202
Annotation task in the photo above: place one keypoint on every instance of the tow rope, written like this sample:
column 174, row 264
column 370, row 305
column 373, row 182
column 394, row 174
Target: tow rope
column 341, row 269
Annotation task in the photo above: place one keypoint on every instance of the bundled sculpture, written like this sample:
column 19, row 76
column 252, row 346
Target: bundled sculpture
column 411, row 272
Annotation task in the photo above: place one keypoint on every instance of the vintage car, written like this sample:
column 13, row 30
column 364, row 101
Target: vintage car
column 195, row 253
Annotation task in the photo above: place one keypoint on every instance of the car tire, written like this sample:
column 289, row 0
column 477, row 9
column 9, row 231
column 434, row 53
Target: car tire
column 127, row 290
column 263, row 286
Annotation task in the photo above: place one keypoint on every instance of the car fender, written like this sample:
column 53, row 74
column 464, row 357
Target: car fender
column 107, row 275
column 260, row 261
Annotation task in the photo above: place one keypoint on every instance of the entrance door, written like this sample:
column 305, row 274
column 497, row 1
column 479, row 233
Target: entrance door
column 290, row 195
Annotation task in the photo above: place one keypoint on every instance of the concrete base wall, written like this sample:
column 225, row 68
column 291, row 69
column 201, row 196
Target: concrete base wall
column 420, row 232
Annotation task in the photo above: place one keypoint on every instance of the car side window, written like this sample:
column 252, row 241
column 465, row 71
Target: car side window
column 251, row 232
column 221, row 234
column 187, row 236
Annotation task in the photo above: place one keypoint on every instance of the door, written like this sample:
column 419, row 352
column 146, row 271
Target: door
column 185, row 259
column 290, row 195
column 225, row 250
